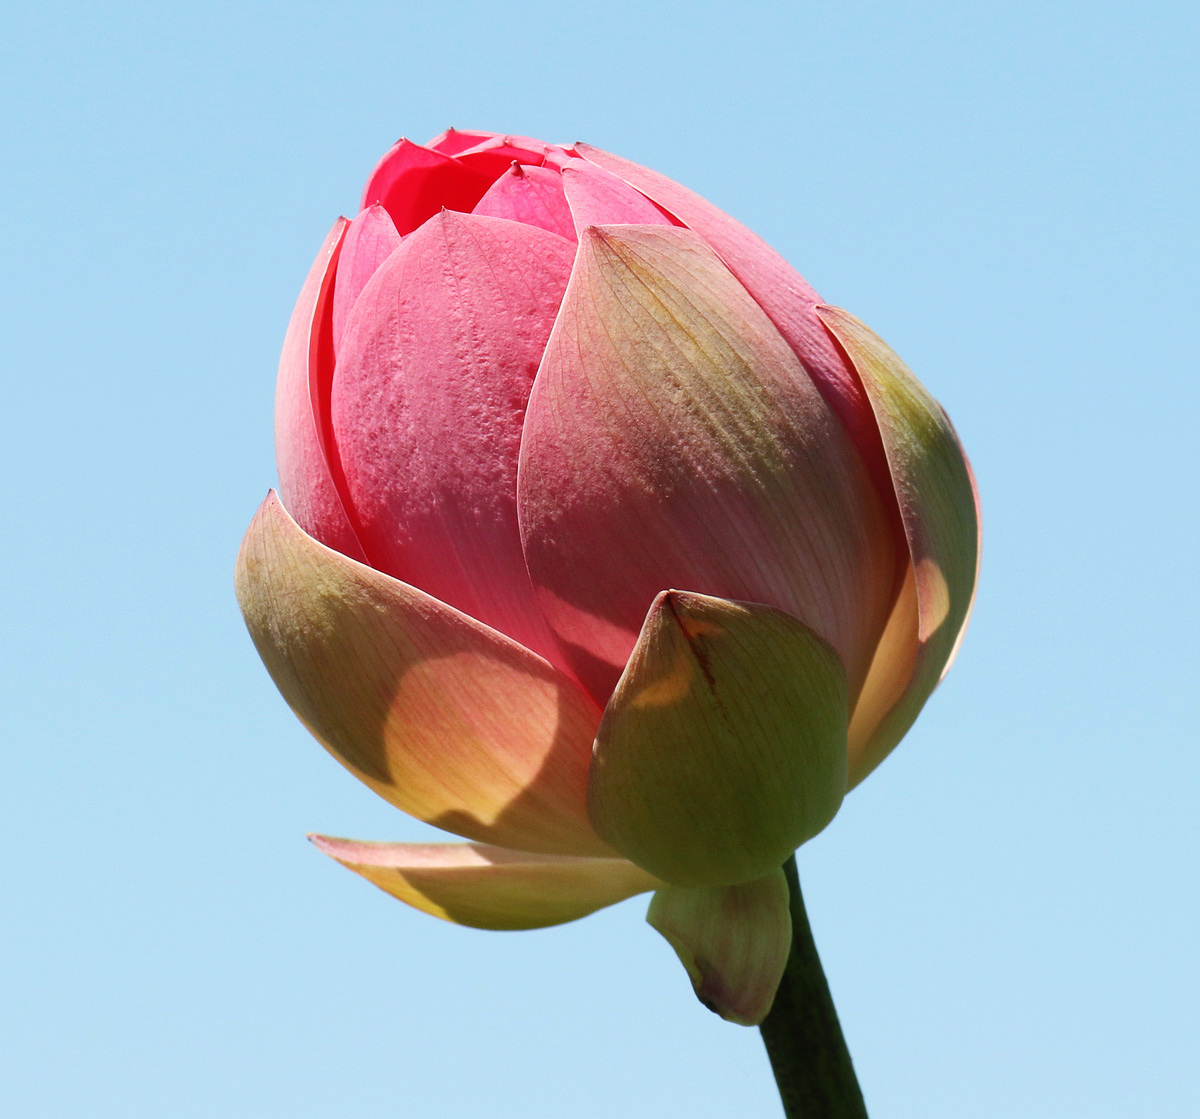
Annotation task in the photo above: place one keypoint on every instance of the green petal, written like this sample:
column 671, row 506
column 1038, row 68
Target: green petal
column 490, row 887
column 733, row 941
column 723, row 747
column 938, row 505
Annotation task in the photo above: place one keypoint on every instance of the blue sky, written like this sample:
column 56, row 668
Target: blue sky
column 1007, row 909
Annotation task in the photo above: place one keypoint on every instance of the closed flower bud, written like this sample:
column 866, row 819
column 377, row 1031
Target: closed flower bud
column 600, row 542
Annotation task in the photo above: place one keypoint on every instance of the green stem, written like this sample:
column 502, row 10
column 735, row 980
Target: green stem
column 804, row 1040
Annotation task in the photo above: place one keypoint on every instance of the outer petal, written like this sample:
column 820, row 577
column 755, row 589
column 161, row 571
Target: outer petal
column 937, row 501
column 445, row 718
column 303, row 443
column 775, row 285
column 433, row 377
column 413, row 183
column 532, row 195
column 370, row 240
column 733, row 941
column 672, row 439
column 724, row 746
column 490, row 887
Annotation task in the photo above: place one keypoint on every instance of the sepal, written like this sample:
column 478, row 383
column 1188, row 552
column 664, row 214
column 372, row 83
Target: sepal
column 723, row 747
column 733, row 941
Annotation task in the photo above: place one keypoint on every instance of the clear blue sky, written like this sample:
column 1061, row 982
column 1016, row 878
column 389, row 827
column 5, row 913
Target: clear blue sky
column 1007, row 908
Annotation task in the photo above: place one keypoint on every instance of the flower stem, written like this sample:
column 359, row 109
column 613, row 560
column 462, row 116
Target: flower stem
column 804, row 1040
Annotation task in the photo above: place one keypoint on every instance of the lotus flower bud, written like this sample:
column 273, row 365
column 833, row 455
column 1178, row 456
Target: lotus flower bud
column 600, row 542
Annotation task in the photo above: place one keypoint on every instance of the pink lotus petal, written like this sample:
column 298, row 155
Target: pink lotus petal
column 597, row 197
column 490, row 887
column 672, row 440
column 532, row 195
column 369, row 241
column 445, row 718
column 432, row 381
column 776, row 286
column 733, row 940
column 938, row 504
column 303, row 446
column 413, row 183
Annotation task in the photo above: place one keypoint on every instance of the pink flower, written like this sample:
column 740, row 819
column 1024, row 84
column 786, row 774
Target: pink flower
column 602, row 543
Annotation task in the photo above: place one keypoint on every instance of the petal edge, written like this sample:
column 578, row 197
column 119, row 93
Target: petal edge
column 938, row 504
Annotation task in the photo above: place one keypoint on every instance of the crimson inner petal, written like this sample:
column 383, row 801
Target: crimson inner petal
column 493, row 162
column 416, row 194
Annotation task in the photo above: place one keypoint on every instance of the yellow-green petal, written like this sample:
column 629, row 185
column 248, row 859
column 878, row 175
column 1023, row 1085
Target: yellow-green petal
column 733, row 941
column 723, row 747
column 444, row 717
column 938, row 505
column 489, row 887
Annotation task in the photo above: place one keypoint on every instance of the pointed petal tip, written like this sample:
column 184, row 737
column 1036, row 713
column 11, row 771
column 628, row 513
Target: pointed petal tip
column 344, row 851
column 723, row 747
column 620, row 233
